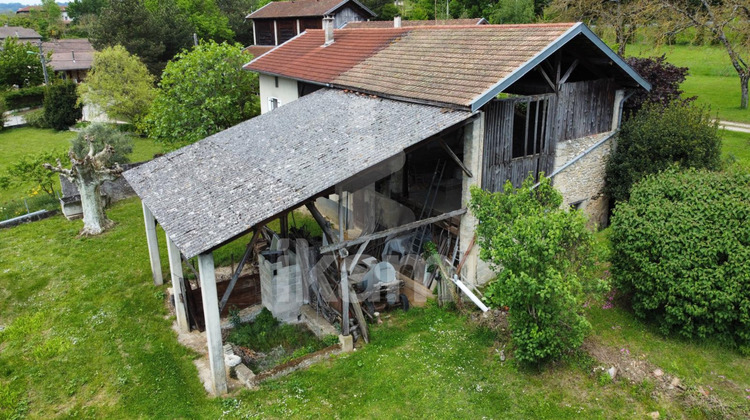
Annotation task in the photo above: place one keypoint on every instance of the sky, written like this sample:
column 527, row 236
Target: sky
column 24, row 2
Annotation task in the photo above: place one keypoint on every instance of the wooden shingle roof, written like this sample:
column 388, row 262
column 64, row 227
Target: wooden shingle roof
column 463, row 66
column 211, row 191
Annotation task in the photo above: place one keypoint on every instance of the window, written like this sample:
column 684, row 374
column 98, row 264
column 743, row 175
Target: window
column 273, row 103
column 529, row 123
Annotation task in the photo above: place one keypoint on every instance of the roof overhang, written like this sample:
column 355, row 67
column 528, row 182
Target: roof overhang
column 212, row 191
column 333, row 9
column 576, row 30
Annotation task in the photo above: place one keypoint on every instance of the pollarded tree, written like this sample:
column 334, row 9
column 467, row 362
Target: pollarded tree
column 89, row 171
column 726, row 20
column 118, row 83
column 202, row 92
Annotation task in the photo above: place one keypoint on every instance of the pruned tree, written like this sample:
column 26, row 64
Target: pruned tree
column 623, row 16
column 726, row 20
column 88, row 173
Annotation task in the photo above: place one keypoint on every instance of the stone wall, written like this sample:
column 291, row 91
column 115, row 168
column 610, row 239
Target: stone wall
column 115, row 190
column 582, row 183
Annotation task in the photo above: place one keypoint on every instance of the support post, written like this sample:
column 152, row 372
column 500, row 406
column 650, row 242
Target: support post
column 473, row 145
column 175, row 268
column 344, row 293
column 153, row 245
column 213, row 325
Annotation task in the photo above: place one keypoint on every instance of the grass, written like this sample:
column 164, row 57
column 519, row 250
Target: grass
column 711, row 76
column 86, row 335
column 736, row 147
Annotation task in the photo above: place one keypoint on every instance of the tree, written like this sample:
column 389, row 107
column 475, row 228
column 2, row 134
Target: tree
column 88, row 172
column 18, row 67
column 153, row 35
column 61, row 109
column 624, row 16
column 726, row 20
column 235, row 11
column 48, row 19
column 118, row 83
column 657, row 138
column 206, row 19
column 513, row 11
column 680, row 253
column 201, row 92
column 28, row 171
column 79, row 8
column 665, row 79
column 540, row 252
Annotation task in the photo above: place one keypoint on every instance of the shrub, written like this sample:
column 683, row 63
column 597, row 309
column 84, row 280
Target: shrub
column 60, row 108
column 102, row 134
column 681, row 247
column 656, row 138
column 2, row 113
column 539, row 251
column 36, row 118
column 665, row 79
column 25, row 97
column 29, row 172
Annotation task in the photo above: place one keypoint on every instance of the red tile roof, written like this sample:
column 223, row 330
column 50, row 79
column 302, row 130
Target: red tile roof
column 305, row 57
column 258, row 50
column 298, row 8
column 411, row 23
column 444, row 64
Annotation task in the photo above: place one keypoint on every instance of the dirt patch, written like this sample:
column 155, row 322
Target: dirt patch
column 494, row 319
column 622, row 365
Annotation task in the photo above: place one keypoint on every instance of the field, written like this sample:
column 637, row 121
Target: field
column 711, row 76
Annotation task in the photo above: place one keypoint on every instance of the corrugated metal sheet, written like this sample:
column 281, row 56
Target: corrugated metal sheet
column 209, row 192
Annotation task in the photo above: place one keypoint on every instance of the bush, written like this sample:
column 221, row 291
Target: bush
column 102, row 134
column 540, row 253
column 656, row 138
column 665, row 79
column 681, row 247
column 36, row 118
column 2, row 113
column 25, row 97
column 60, row 108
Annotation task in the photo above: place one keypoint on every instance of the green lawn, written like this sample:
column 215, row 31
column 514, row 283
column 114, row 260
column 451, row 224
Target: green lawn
column 736, row 147
column 86, row 335
column 711, row 76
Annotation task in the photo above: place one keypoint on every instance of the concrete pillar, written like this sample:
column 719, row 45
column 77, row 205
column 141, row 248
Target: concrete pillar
column 175, row 268
column 153, row 245
column 473, row 145
column 213, row 325
column 617, row 112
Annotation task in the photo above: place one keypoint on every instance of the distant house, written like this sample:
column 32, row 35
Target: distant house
column 71, row 58
column 280, row 21
column 23, row 34
column 371, row 24
column 27, row 10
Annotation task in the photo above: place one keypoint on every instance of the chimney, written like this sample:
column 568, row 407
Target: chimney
column 397, row 21
column 328, row 28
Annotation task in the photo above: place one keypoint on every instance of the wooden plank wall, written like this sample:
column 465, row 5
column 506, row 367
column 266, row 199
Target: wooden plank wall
column 579, row 109
column 584, row 108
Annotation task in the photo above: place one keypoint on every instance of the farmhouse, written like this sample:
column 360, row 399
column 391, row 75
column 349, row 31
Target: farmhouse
column 71, row 58
column 380, row 134
column 280, row 21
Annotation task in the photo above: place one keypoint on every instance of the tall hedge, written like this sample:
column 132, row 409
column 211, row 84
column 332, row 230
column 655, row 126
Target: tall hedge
column 681, row 252
column 658, row 137
column 60, row 107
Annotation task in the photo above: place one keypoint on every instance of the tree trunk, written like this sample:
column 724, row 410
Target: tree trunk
column 743, row 81
column 95, row 220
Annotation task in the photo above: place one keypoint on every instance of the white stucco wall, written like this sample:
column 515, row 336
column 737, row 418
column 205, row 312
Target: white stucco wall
column 285, row 93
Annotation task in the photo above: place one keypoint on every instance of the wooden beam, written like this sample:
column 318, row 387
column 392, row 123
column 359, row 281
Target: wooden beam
column 546, row 77
column 322, row 222
column 178, row 289
column 569, row 71
column 213, row 325
column 153, row 246
column 455, row 158
column 236, row 274
column 384, row 233
column 344, row 289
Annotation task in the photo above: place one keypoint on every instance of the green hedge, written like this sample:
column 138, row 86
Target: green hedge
column 60, row 105
column 681, row 253
column 25, row 97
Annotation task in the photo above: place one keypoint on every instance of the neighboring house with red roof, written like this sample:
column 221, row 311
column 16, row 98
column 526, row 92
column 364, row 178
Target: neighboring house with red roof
column 27, row 10
column 71, row 58
column 385, row 132
column 280, row 21
column 371, row 24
